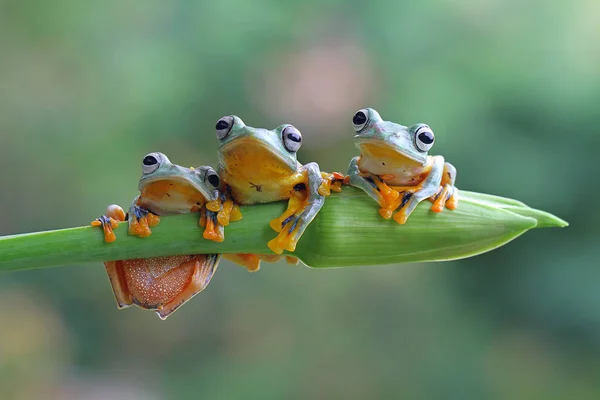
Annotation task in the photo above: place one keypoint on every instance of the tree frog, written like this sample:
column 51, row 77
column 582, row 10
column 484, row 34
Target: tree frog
column 167, row 188
column 260, row 166
column 164, row 283
column 395, row 169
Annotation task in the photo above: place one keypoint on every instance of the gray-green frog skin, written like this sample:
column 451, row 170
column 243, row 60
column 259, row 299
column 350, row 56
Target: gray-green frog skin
column 165, row 189
column 260, row 166
column 394, row 167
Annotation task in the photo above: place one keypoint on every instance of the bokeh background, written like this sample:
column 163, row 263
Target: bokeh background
column 512, row 90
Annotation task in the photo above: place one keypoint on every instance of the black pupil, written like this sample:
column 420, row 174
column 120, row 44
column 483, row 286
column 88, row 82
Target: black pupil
column 221, row 124
column 294, row 137
column 149, row 160
column 214, row 180
column 426, row 137
column 359, row 118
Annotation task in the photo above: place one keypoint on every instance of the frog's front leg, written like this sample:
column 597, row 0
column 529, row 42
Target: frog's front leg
column 448, row 193
column 230, row 211
column 109, row 221
column 374, row 187
column 428, row 188
column 305, row 207
column 213, row 229
column 141, row 219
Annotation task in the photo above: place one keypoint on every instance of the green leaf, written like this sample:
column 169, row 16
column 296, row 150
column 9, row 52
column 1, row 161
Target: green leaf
column 347, row 231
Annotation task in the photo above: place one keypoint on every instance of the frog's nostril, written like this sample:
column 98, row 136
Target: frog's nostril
column 150, row 160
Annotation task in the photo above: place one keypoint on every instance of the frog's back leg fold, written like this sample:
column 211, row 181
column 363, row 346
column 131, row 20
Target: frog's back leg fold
column 448, row 194
column 428, row 188
column 203, row 267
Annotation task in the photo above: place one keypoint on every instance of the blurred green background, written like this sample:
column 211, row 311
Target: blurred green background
column 512, row 90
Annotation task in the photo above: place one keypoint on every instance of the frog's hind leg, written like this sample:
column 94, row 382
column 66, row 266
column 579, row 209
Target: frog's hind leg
column 203, row 269
column 140, row 220
column 428, row 188
column 306, row 206
column 448, row 194
column 110, row 221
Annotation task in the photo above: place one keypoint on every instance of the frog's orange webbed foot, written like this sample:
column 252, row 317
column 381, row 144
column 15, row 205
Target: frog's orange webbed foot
column 213, row 229
column 446, row 197
column 331, row 181
column 388, row 195
column 292, row 221
column 250, row 261
column 110, row 221
column 140, row 221
column 298, row 200
column 230, row 211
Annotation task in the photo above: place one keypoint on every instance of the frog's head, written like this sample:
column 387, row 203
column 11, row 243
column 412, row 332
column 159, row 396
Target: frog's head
column 374, row 136
column 158, row 170
column 280, row 144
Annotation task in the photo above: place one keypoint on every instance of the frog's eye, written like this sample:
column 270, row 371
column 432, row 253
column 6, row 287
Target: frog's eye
column 223, row 127
column 212, row 179
column 151, row 162
column 360, row 119
column 424, row 138
column 292, row 138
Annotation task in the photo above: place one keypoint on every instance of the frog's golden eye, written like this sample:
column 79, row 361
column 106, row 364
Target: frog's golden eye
column 292, row 138
column 151, row 162
column 360, row 119
column 424, row 138
column 224, row 126
column 212, row 178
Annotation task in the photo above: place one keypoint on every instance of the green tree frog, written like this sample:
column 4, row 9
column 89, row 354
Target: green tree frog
column 164, row 283
column 167, row 188
column 395, row 169
column 260, row 166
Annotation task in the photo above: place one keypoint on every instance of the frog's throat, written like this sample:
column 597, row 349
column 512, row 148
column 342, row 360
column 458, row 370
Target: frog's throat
column 374, row 144
column 146, row 181
column 250, row 144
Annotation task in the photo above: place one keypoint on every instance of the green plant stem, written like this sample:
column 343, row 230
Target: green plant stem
column 347, row 231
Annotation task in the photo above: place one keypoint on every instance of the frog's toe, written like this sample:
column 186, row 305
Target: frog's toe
column 385, row 213
column 276, row 246
column 401, row 217
column 275, row 224
column 236, row 214
column 452, row 202
column 250, row 261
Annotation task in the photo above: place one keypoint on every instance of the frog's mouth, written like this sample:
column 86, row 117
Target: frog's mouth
column 253, row 152
column 388, row 151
